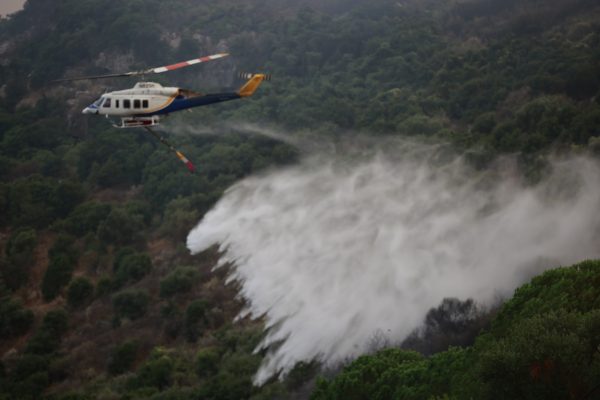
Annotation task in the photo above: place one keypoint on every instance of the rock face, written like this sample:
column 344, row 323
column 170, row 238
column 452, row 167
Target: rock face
column 115, row 61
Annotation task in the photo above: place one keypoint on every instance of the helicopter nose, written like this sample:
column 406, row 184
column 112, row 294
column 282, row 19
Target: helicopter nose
column 89, row 110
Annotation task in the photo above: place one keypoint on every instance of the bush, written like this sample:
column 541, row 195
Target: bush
column 180, row 280
column 14, row 319
column 47, row 339
column 105, row 286
column 195, row 319
column 79, row 292
column 131, row 304
column 121, row 227
column 20, row 246
column 123, row 357
column 19, row 253
column 156, row 372
column 131, row 266
column 207, row 362
column 86, row 217
column 63, row 258
column 57, row 276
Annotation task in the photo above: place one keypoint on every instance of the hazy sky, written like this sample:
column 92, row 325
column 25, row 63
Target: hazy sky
column 10, row 6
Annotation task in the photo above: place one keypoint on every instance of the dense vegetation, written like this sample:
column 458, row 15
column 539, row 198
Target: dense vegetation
column 98, row 297
column 543, row 344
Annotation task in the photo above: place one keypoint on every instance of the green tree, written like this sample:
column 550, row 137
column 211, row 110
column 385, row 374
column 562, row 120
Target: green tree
column 15, row 320
column 181, row 280
column 131, row 303
column 195, row 319
column 19, row 256
column 131, row 267
column 79, row 292
column 123, row 357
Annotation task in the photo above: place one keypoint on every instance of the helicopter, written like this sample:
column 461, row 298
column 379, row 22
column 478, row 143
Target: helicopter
column 144, row 105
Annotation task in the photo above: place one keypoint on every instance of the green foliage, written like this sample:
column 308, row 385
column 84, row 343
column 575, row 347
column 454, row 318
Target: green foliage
column 385, row 375
column 37, row 201
column 550, row 356
column 130, row 266
column 19, row 255
column 79, row 292
column 572, row 288
column 156, row 372
column 207, row 362
column 20, row 246
column 131, row 303
column 195, row 319
column 542, row 344
column 47, row 338
column 63, row 258
column 28, row 378
column 86, row 217
column 179, row 216
column 33, row 371
column 123, row 357
column 104, row 286
column 121, row 226
column 15, row 320
column 494, row 76
column 181, row 280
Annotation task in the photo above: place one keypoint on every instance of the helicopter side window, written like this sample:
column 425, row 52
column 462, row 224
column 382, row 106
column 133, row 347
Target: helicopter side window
column 127, row 103
column 145, row 103
column 106, row 103
column 136, row 103
column 116, row 103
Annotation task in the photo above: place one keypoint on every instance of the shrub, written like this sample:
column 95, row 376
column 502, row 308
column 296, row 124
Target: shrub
column 120, row 227
column 79, row 292
column 19, row 253
column 20, row 246
column 195, row 317
column 14, row 319
column 207, row 362
column 180, row 280
column 156, row 372
column 57, row 276
column 131, row 304
column 47, row 339
column 131, row 267
column 63, row 257
column 105, row 286
column 123, row 357
column 86, row 217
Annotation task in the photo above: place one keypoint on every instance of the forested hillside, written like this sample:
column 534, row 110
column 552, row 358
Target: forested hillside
column 99, row 298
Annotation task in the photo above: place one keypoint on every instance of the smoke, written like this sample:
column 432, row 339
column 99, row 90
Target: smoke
column 337, row 248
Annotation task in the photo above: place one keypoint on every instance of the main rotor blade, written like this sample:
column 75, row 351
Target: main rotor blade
column 184, row 64
column 150, row 71
column 81, row 78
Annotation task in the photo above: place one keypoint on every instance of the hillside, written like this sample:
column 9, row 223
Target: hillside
column 543, row 344
column 99, row 296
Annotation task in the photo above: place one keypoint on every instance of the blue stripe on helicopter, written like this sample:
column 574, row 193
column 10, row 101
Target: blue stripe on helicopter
column 181, row 103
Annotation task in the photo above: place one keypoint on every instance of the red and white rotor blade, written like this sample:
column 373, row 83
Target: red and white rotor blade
column 184, row 64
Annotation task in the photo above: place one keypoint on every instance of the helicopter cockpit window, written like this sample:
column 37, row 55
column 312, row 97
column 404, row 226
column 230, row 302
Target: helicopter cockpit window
column 107, row 103
column 127, row 103
column 136, row 104
column 98, row 102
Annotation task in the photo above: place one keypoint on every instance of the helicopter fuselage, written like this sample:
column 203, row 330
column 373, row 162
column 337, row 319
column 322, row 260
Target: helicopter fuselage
column 146, row 99
column 147, row 102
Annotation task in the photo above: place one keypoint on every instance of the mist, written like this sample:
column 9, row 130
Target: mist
column 344, row 245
